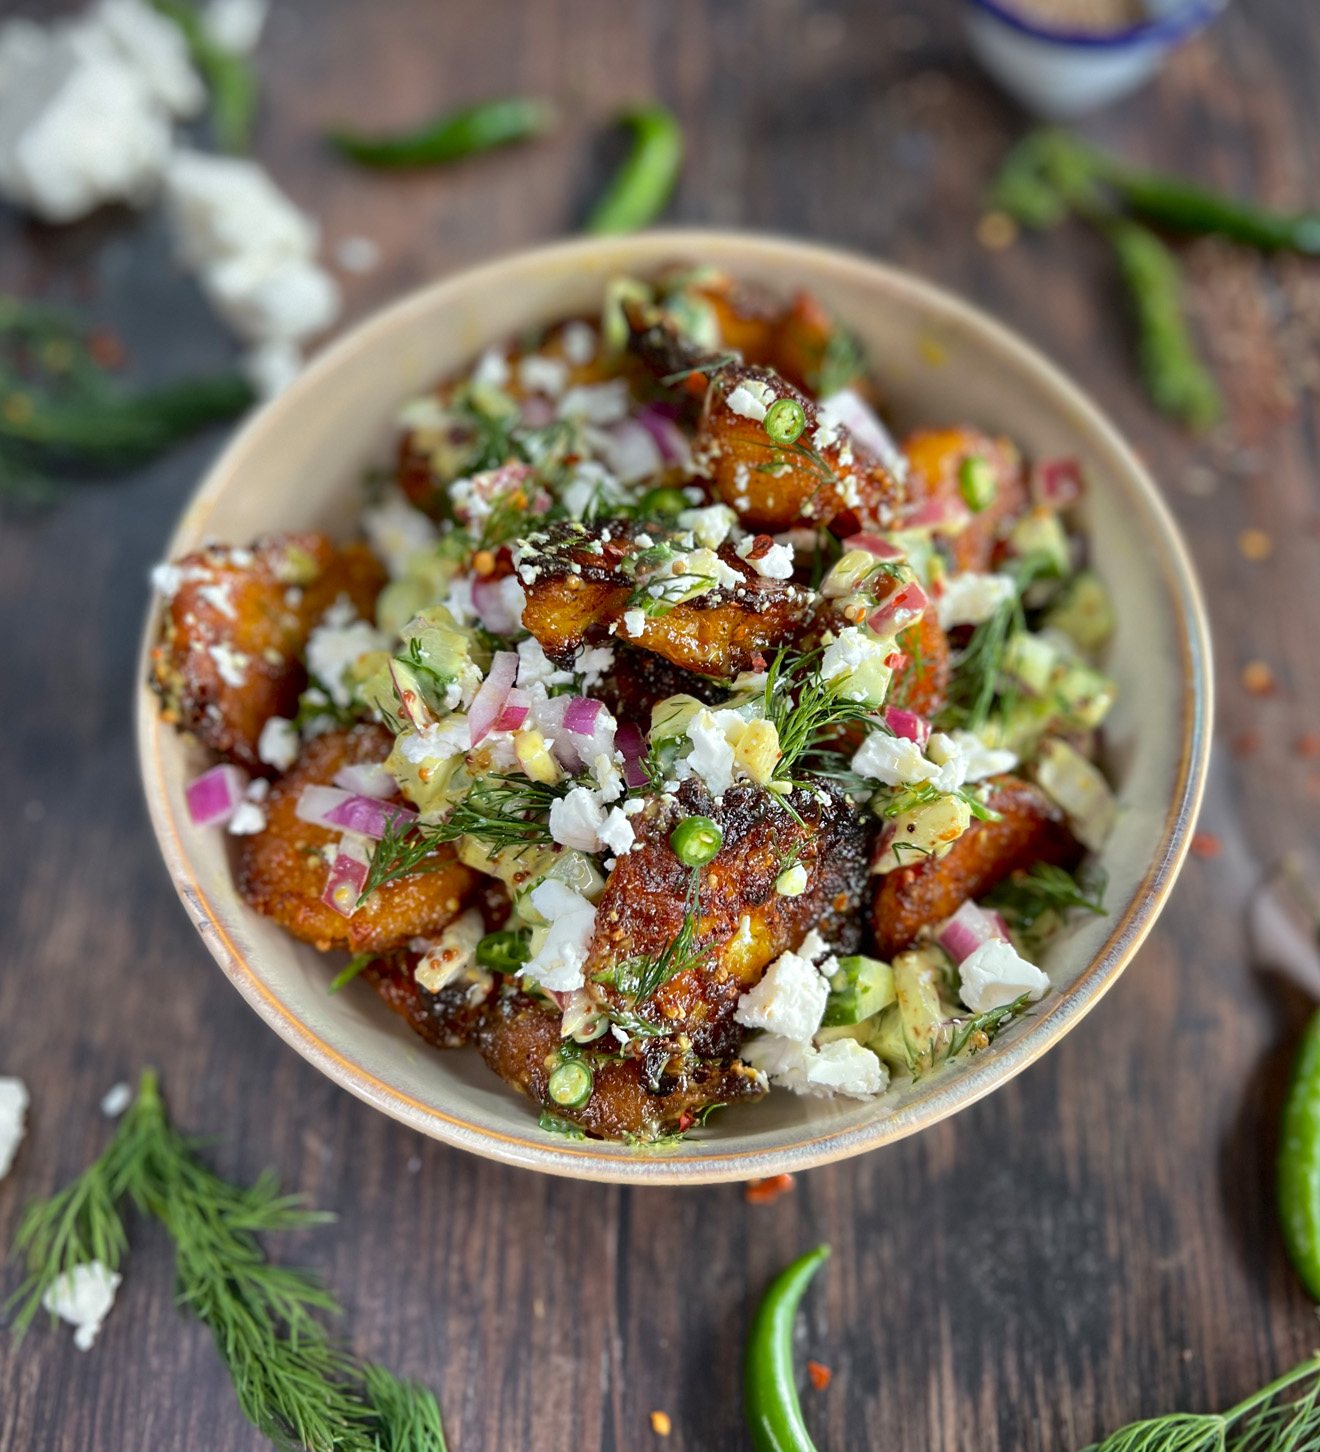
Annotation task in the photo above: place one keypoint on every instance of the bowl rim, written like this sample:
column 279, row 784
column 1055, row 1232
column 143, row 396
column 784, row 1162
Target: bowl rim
column 583, row 1159
column 1170, row 29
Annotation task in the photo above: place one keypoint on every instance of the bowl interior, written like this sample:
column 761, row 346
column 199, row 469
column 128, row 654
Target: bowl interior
column 300, row 463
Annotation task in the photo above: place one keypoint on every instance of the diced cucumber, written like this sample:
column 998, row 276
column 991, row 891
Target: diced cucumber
column 1078, row 787
column 859, row 989
column 1085, row 613
column 916, row 988
column 1084, row 693
column 1041, row 533
column 928, row 830
column 1030, row 660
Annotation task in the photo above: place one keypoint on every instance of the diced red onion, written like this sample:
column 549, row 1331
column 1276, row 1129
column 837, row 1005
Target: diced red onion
column 669, row 438
column 348, row 876
column 316, row 802
column 537, row 411
column 630, row 741
column 962, row 934
column 515, row 710
column 908, row 725
column 1057, row 483
column 945, row 515
column 366, row 779
column 214, row 796
column 367, row 816
column 489, row 702
column 903, row 608
column 580, row 715
column 874, row 544
column 490, row 599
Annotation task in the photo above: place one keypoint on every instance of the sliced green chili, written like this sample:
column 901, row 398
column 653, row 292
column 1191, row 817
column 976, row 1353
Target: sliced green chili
column 770, row 1399
column 696, row 840
column 452, row 136
column 665, row 501
column 505, row 951
column 784, row 420
column 1298, row 1182
column 977, row 483
column 570, row 1084
column 640, row 188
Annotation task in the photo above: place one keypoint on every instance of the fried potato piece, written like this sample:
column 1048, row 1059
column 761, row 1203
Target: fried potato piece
column 936, row 457
column 638, row 680
column 578, row 591
column 1031, row 829
column 446, row 1020
column 235, row 624
column 660, row 1092
column 921, row 684
column 838, row 483
column 282, row 872
column 743, row 924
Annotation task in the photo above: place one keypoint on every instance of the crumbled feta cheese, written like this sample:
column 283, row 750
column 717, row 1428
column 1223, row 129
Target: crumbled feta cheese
column 13, row 1120
column 634, row 622
column 338, row 643
column 248, row 819
column 492, row 370
column 166, row 580
column 850, row 651
column 397, row 532
column 235, row 25
column 711, row 756
column 539, row 374
column 617, row 834
column 453, row 954
column 116, row 1099
column 751, row 399
column 224, row 207
column 840, row 1067
column 789, row 1000
column 437, row 742
column 579, row 343
column 278, row 745
column 593, row 663
column 775, row 564
column 535, row 668
column 979, row 760
column 558, row 964
column 711, row 525
column 156, row 49
column 232, row 664
column 576, row 819
column 894, row 760
column 792, row 882
column 272, row 366
column 631, row 452
column 596, row 403
column 83, row 1296
column 813, row 947
column 265, row 298
column 993, row 975
column 968, row 599
column 79, row 127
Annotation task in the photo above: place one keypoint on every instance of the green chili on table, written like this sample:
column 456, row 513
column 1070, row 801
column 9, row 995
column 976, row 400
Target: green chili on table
column 1298, row 1186
column 640, row 188
column 229, row 77
column 452, row 136
column 770, row 1399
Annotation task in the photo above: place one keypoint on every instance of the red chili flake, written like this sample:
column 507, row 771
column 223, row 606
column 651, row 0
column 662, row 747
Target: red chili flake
column 759, row 662
column 1248, row 743
column 761, row 546
column 106, row 349
column 896, row 661
column 1309, row 744
column 818, row 1375
column 1258, row 678
column 762, row 1192
column 686, row 1121
column 1206, row 844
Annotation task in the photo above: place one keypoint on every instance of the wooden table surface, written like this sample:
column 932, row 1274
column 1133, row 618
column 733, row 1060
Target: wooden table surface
column 1094, row 1242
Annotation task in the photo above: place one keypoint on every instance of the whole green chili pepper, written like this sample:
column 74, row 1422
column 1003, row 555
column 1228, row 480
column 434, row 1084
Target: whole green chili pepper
column 770, row 1399
column 640, row 188
column 1298, row 1178
column 452, row 136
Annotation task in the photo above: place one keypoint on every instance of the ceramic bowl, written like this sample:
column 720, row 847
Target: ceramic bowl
column 299, row 464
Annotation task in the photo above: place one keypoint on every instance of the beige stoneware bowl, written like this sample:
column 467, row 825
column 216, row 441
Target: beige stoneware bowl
column 299, row 464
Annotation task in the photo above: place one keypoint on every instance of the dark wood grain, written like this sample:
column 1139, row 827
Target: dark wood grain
column 1094, row 1242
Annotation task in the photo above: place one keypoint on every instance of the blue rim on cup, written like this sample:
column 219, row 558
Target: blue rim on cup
column 1060, row 73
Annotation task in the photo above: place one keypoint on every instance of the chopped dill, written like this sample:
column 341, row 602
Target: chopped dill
column 642, row 977
column 926, row 794
column 351, row 970
column 807, row 712
column 1032, row 901
column 983, row 1026
column 842, row 362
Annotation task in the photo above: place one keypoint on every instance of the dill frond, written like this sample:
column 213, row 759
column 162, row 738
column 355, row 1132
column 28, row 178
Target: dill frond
column 641, row 978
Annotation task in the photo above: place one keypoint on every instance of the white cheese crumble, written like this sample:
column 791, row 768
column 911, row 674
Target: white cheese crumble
column 535, row 668
column 492, row 370
column 993, row 976
column 813, row 947
column 634, row 622
column 558, row 964
column 249, row 818
column 278, row 745
column 83, row 1296
column 751, row 399
column 579, row 343
column 338, row 643
column 13, row 1120
column 232, row 664
column 710, row 525
column 597, row 403
column 576, row 819
column 539, row 374
column 116, row 1099
column 970, row 598
column 617, row 833
column 438, row 742
column 453, row 954
column 711, row 756
column 775, row 564
column 593, row 662
column 397, row 532
column 789, row 1000
column 841, row 1067
column 893, row 760
column 156, row 49
column 850, row 651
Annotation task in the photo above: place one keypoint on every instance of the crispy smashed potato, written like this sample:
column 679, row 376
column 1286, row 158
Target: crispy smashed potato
column 639, row 680
column 446, row 1020
column 282, row 871
column 1031, row 829
column 662, row 1091
column 936, row 458
column 578, row 593
column 837, row 484
column 743, row 922
column 921, row 684
column 236, row 621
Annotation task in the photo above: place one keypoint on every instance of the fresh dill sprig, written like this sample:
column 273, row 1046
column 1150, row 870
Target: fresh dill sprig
column 294, row 1384
column 402, row 850
column 641, row 978
column 983, row 1027
column 807, row 712
column 347, row 974
column 927, row 793
column 1028, row 900
column 843, row 361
